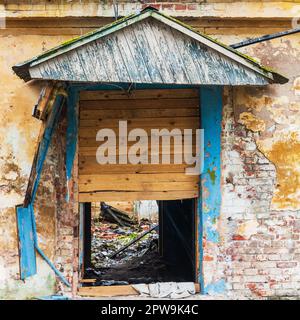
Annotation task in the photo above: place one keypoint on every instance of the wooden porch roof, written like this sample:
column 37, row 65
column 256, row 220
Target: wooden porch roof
column 148, row 47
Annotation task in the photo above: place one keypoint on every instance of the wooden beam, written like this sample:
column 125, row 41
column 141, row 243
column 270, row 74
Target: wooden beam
column 108, row 95
column 107, row 291
column 113, row 291
column 131, row 196
column 88, row 280
column 44, row 107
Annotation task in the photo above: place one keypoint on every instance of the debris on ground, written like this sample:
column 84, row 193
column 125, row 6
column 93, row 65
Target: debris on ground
column 139, row 263
column 114, row 215
column 170, row 290
column 108, row 238
column 133, row 241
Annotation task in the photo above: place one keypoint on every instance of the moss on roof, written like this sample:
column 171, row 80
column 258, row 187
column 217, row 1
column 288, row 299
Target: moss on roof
column 20, row 69
column 251, row 59
column 67, row 43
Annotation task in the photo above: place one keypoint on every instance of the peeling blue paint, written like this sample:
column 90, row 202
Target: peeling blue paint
column 217, row 287
column 54, row 297
column 45, row 142
column 26, row 242
column 211, row 121
column 25, row 216
column 72, row 129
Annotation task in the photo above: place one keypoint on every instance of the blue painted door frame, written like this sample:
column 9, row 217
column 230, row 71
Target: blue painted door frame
column 209, row 200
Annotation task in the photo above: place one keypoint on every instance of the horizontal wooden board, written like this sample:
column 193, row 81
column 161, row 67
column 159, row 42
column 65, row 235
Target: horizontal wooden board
column 91, row 132
column 91, row 167
column 107, row 291
column 88, row 280
column 91, row 161
column 97, row 22
column 139, row 104
column 152, row 123
column 111, row 291
column 158, row 160
column 139, row 94
column 89, row 148
column 88, row 145
column 177, row 149
column 137, row 113
column 137, row 186
column 140, row 177
column 132, row 196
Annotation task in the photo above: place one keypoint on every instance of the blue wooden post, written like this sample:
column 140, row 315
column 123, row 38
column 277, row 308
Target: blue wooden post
column 209, row 204
column 72, row 128
column 26, row 242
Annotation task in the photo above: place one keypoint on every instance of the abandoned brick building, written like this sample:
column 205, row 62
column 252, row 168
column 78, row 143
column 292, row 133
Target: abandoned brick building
column 168, row 64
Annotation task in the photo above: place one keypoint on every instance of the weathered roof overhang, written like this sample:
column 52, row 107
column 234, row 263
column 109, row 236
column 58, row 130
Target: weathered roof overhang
column 148, row 47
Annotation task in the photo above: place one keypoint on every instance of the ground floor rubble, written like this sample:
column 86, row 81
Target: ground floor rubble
column 141, row 262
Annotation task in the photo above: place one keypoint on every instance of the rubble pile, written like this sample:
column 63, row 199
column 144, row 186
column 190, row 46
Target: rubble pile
column 108, row 238
column 125, row 251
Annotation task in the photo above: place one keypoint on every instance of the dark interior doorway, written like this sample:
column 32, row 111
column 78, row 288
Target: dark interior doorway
column 177, row 241
column 173, row 259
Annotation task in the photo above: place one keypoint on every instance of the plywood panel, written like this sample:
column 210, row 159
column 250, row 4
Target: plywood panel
column 145, row 109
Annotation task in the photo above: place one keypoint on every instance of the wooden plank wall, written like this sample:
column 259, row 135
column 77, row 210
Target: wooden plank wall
column 147, row 109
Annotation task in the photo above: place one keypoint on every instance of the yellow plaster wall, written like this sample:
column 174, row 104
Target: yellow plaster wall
column 18, row 136
column 272, row 112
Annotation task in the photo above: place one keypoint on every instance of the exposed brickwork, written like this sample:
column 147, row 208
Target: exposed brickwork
column 66, row 256
column 207, row 8
column 258, row 255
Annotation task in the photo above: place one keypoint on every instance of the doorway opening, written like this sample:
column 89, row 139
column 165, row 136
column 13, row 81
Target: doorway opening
column 138, row 242
column 114, row 251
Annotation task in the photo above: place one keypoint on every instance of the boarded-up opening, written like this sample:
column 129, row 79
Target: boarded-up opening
column 145, row 109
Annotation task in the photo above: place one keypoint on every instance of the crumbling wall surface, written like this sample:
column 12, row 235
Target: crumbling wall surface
column 64, row 245
column 192, row 8
column 18, row 137
column 258, row 253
